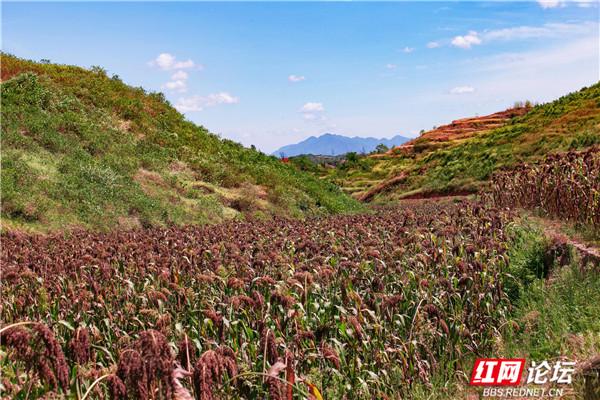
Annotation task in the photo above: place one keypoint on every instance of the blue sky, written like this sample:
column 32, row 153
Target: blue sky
column 271, row 74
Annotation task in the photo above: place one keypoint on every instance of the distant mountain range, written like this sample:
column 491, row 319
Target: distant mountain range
column 332, row 145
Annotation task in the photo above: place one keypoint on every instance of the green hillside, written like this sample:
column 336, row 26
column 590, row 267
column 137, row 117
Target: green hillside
column 465, row 165
column 83, row 149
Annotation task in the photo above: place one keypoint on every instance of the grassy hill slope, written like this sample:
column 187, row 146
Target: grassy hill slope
column 82, row 149
column 466, row 163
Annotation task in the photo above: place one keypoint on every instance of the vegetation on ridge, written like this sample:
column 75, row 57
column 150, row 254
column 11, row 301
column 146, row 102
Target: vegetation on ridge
column 466, row 164
column 80, row 148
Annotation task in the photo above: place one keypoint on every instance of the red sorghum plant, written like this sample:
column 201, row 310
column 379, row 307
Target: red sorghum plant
column 145, row 368
column 39, row 352
column 566, row 186
column 367, row 303
column 210, row 370
column 80, row 346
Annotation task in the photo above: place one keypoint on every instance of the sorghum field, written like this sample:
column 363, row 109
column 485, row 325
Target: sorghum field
column 367, row 306
column 566, row 186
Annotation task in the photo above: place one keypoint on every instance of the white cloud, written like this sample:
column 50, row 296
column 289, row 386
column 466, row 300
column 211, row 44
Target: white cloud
column 583, row 51
column 433, row 45
column 545, row 4
column 466, row 41
column 408, row 49
column 198, row 103
column 391, row 66
column 167, row 61
column 538, row 75
column 317, row 118
column 584, row 3
column 179, row 75
column 312, row 107
column 312, row 111
column 193, row 103
column 549, row 3
column 221, row 98
column 462, row 90
column 178, row 82
column 178, row 85
column 550, row 30
column 296, row 78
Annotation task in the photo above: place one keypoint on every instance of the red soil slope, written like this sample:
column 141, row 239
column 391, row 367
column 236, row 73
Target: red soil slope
column 463, row 128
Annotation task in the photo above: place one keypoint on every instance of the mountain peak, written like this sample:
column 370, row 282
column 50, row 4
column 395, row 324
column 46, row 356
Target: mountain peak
column 335, row 144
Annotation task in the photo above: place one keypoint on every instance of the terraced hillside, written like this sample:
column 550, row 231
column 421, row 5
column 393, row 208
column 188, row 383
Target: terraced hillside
column 460, row 129
column 82, row 149
column 460, row 157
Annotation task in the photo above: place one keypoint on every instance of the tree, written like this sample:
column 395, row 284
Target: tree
column 381, row 148
column 98, row 70
column 304, row 163
column 526, row 104
column 352, row 157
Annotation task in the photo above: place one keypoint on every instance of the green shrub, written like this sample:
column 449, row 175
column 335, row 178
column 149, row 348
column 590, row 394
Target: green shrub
column 527, row 261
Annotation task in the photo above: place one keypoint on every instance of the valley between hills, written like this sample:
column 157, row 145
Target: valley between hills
column 144, row 257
